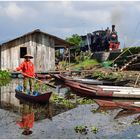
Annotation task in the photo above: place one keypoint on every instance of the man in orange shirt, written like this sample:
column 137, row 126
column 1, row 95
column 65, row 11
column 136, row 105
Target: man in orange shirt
column 27, row 119
column 27, row 68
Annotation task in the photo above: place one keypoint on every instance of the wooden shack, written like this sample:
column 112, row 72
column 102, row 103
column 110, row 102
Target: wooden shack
column 39, row 44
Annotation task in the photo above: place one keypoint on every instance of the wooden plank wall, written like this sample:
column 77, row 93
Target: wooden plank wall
column 39, row 45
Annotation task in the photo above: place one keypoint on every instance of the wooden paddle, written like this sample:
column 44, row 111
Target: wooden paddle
column 46, row 83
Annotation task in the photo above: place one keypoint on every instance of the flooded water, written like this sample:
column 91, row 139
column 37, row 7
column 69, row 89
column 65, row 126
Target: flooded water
column 53, row 121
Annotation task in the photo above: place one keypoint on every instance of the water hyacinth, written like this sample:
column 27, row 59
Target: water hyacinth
column 94, row 129
column 93, row 110
column 85, row 101
column 81, row 129
column 61, row 100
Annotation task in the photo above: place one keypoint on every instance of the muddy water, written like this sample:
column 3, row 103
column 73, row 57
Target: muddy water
column 110, row 122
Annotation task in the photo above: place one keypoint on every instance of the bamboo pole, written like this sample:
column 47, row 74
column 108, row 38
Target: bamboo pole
column 46, row 83
column 120, row 55
column 137, row 80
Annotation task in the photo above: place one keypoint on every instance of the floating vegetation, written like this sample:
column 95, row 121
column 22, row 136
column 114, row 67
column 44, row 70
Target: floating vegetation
column 94, row 129
column 61, row 104
column 70, row 103
column 61, row 100
column 93, row 110
column 85, row 101
column 103, row 112
column 81, row 129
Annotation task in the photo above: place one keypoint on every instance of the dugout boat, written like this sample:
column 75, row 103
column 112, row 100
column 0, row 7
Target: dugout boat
column 92, row 81
column 40, row 98
column 104, row 91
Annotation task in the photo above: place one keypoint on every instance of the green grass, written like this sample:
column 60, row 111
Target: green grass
column 86, row 64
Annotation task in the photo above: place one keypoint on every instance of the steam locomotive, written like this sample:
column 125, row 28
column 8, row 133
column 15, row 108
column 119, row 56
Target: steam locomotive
column 101, row 40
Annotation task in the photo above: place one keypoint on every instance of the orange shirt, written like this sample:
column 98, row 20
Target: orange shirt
column 27, row 68
column 27, row 121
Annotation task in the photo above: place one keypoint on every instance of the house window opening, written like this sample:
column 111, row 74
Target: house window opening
column 23, row 51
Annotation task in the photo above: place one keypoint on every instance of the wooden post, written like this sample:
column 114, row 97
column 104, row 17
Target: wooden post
column 69, row 59
column 137, row 80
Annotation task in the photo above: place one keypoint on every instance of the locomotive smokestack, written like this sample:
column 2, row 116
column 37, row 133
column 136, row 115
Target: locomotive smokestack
column 113, row 28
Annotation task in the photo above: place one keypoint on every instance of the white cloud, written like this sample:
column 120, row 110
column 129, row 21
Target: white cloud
column 95, row 16
column 63, row 18
column 13, row 11
column 17, row 11
column 68, row 10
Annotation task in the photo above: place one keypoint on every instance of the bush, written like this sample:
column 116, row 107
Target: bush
column 4, row 74
column 5, row 77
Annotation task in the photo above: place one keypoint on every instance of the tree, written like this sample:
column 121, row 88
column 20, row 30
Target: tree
column 75, row 40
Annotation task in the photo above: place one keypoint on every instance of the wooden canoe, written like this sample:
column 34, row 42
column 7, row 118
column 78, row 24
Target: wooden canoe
column 105, row 103
column 41, row 98
column 101, row 82
column 97, row 91
column 129, row 107
column 92, row 81
column 109, row 103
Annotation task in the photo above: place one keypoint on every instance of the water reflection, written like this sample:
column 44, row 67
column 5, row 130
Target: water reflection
column 27, row 118
column 37, row 112
column 127, row 107
column 29, row 113
column 7, row 96
column 125, row 113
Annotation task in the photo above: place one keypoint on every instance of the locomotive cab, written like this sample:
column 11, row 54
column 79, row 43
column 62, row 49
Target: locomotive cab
column 114, row 44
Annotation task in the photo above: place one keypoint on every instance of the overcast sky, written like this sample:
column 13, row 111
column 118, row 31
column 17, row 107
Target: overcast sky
column 65, row 18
